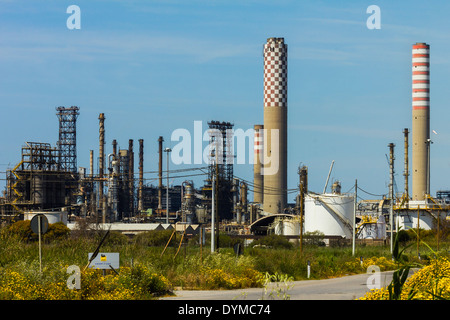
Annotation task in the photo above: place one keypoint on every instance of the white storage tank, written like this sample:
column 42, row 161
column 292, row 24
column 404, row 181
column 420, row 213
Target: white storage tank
column 372, row 228
column 408, row 220
column 329, row 213
column 427, row 217
column 286, row 226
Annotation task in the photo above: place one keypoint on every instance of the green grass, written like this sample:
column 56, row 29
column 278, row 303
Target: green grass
column 192, row 266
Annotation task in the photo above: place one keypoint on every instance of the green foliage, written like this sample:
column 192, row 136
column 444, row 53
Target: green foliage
column 314, row 238
column 22, row 229
column 155, row 238
column 116, row 238
column 216, row 271
column 56, row 231
column 273, row 241
column 225, row 241
column 276, row 286
column 404, row 236
column 144, row 272
column 140, row 278
column 401, row 274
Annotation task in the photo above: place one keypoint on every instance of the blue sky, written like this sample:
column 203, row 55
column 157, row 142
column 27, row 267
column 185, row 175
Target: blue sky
column 155, row 66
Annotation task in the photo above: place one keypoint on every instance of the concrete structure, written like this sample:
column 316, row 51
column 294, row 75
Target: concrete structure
column 136, row 228
column 52, row 216
column 275, row 125
column 420, row 120
column 258, row 180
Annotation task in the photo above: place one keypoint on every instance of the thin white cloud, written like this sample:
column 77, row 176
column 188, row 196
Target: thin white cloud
column 91, row 45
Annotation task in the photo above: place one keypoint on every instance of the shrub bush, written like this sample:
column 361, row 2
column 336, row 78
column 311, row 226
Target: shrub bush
column 273, row 241
column 155, row 238
column 21, row 229
column 131, row 283
column 429, row 283
column 56, row 231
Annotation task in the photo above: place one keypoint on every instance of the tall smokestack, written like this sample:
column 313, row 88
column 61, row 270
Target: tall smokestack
column 160, row 151
column 275, row 125
column 420, row 120
column 131, row 175
column 258, row 180
column 406, row 171
column 141, row 175
column 114, row 145
column 101, row 162
column 91, row 163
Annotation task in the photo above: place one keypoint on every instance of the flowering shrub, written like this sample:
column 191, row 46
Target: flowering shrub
column 430, row 282
column 220, row 279
column 382, row 262
column 217, row 271
column 131, row 283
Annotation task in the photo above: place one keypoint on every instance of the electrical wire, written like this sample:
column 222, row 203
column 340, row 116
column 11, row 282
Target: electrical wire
column 372, row 194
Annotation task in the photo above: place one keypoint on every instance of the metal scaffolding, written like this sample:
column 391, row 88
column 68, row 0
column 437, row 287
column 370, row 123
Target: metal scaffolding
column 221, row 141
column 67, row 143
column 221, row 167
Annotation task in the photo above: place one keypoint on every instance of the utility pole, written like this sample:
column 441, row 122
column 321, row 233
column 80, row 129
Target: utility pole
column 354, row 218
column 217, row 203
column 391, row 192
column 213, row 215
column 303, row 188
column 168, row 150
column 214, row 204
column 406, row 172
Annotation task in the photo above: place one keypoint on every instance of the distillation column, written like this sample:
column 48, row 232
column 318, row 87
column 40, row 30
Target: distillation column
column 101, row 164
column 258, row 180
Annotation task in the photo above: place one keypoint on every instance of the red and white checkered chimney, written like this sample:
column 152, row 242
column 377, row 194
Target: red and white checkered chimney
column 275, row 119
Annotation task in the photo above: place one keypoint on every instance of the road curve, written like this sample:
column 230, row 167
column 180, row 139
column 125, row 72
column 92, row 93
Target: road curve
column 343, row 288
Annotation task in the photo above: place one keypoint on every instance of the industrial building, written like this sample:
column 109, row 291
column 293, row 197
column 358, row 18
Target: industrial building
column 47, row 179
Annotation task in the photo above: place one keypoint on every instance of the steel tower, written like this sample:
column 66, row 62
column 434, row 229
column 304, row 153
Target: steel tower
column 67, row 144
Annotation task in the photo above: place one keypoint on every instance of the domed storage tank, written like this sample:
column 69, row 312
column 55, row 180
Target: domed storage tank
column 331, row 214
column 286, row 226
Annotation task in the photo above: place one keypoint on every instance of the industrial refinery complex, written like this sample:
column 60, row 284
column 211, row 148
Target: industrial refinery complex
column 112, row 191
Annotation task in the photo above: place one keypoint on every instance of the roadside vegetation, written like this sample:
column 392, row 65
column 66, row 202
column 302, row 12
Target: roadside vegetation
column 152, row 266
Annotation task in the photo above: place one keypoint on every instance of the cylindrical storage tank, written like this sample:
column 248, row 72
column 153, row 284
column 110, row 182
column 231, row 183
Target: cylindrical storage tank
column 287, row 227
column 331, row 214
column 409, row 220
column 381, row 227
column 369, row 231
column 38, row 190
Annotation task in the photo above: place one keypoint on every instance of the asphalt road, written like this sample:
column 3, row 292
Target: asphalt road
column 344, row 288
